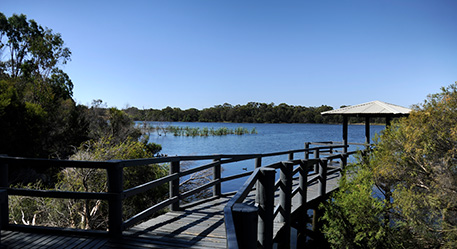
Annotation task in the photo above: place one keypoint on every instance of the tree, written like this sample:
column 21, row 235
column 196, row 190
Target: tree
column 359, row 215
column 39, row 116
column 32, row 49
column 413, row 169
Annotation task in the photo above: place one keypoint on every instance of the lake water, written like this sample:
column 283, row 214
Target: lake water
column 270, row 138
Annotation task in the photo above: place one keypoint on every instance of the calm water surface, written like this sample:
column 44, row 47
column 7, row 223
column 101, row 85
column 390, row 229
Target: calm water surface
column 270, row 138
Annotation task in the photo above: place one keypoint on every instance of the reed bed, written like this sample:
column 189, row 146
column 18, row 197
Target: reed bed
column 199, row 132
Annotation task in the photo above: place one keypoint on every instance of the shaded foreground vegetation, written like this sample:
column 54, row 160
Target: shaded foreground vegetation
column 403, row 194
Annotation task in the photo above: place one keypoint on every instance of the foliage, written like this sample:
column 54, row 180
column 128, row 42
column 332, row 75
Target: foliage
column 359, row 214
column 39, row 116
column 252, row 112
column 41, row 211
column 413, row 165
column 104, row 150
column 32, row 49
column 91, row 214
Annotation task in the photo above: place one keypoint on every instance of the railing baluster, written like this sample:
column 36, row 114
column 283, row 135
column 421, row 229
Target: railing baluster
column 307, row 151
column 265, row 192
column 316, row 156
column 258, row 162
column 285, row 202
column 323, row 176
column 245, row 218
column 115, row 186
column 303, row 182
column 174, row 185
column 322, row 191
column 217, row 176
column 343, row 162
column 303, row 190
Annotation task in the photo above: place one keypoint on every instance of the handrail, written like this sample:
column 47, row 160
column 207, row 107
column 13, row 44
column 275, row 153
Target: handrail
column 116, row 194
column 284, row 207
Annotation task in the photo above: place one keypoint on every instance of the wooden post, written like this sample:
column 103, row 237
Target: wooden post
column 323, row 177
column 217, row 176
column 285, row 202
column 3, row 175
column 316, row 156
column 291, row 157
column 174, row 185
column 307, row 151
column 322, row 191
column 115, row 186
column 4, row 211
column 345, row 134
column 265, row 192
column 343, row 162
column 245, row 218
column 302, row 191
column 303, row 183
column 388, row 121
column 258, row 162
column 367, row 131
column 3, row 201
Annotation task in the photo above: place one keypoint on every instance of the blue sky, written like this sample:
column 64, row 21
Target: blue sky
column 201, row 53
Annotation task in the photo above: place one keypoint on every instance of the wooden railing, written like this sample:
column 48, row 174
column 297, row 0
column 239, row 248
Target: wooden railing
column 116, row 194
column 251, row 226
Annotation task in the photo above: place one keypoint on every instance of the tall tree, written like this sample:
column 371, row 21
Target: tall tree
column 39, row 117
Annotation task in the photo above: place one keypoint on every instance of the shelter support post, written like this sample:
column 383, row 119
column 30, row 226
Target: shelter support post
column 345, row 134
column 367, row 131
column 388, row 121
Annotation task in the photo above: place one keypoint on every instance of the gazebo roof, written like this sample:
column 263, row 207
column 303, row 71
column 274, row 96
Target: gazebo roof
column 371, row 109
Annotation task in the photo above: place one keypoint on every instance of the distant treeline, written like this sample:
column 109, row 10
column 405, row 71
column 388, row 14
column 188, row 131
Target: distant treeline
column 251, row 112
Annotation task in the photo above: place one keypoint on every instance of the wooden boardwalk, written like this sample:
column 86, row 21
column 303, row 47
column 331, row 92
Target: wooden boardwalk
column 200, row 226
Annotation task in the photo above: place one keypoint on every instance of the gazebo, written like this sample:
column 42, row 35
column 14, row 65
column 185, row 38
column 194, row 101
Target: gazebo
column 368, row 110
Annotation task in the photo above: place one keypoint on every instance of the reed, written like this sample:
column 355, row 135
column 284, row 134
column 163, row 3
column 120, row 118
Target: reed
column 196, row 131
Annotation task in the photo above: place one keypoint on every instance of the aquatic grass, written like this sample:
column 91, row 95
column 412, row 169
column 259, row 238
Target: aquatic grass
column 197, row 131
